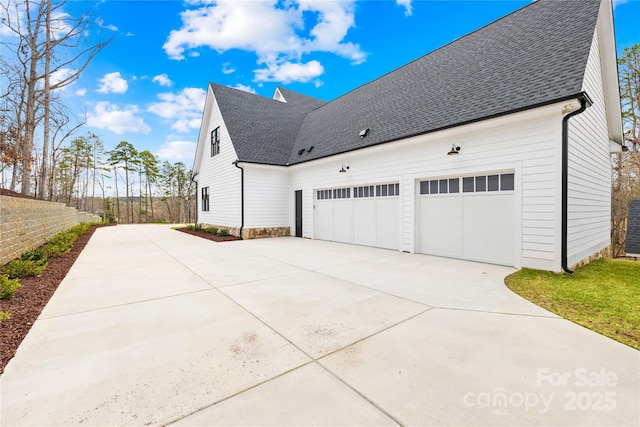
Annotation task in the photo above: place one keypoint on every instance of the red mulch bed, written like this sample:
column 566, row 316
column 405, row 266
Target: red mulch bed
column 30, row 299
column 208, row 236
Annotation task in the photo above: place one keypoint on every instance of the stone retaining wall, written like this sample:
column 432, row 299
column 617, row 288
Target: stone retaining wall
column 254, row 233
column 28, row 223
column 259, row 233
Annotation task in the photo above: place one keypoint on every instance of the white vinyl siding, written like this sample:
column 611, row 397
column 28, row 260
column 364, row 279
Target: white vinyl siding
column 268, row 200
column 527, row 142
column 218, row 173
column 589, row 169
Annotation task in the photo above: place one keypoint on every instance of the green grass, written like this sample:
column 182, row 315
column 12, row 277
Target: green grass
column 603, row 296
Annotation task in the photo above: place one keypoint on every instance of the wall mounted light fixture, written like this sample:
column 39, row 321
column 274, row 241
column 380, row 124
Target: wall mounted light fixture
column 455, row 150
column 344, row 169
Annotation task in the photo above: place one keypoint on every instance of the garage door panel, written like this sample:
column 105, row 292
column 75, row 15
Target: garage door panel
column 387, row 223
column 364, row 222
column 324, row 220
column 440, row 233
column 488, row 223
column 343, row 221
column 364, row 215
column 472, row 219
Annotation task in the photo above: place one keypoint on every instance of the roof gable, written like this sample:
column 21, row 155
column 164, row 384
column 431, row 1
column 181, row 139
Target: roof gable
column 262, row 130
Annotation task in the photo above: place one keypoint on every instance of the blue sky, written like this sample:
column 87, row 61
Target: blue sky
column 148, row 86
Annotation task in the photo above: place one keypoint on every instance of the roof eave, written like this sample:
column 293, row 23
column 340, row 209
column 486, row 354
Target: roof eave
column 577, row 96
column 609, row 64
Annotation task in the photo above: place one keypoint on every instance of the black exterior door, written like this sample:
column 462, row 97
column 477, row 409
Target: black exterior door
column 298, row 213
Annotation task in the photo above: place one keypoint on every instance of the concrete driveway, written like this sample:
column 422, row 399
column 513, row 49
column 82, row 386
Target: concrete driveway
column 156, row 327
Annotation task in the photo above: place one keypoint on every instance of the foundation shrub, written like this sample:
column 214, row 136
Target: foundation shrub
column 8, row 287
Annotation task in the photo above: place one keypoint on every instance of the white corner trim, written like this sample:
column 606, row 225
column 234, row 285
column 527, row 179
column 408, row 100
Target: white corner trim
column 614, row 147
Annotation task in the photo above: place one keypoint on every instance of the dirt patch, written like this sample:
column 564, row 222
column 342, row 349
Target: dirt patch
column 208, row 236
column 30, row 299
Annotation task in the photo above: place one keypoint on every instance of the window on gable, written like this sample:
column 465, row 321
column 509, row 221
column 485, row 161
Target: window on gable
column 205, row 199
column 215, row 141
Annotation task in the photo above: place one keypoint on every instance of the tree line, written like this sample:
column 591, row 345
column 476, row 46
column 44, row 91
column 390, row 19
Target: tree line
column 45, row 49
column 625, row 179
column 122, row 184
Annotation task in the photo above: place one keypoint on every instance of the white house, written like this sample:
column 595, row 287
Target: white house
column 494, row 148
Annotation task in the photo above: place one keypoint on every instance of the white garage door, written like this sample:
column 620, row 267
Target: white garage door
column 469, row 217
column 364, row 215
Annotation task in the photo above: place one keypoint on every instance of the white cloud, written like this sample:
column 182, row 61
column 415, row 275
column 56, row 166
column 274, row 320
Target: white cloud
column 334, row 18
column 100, row 23
column 13, row 16
column 245, row 88
column 183, row 108
column 186, row 125
column 60, row 25
column 280, row 33
column 108, row 116
column 81, row 92
column 227, row 68
column 61, row 75
column 177, row 150
column 113, row 83
column 162, row 80
column 407, row 6
column 289, row 72
column 64, row 77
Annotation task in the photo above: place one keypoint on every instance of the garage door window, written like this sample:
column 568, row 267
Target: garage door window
column 481, row 184
column 493, row 182
column 470, row 184
column 366, row 191
column 385, row 190
column 507, row 182
column 467, row 184
column 341, row 193
column 442, row 186
column 324, row 194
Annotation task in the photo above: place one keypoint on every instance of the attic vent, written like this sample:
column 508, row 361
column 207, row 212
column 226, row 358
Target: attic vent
column 310, row 149
column 364, row 132
column 301, row 151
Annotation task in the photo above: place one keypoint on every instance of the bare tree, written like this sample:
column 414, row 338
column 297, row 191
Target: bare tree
column 626, row 165
column 45, row 42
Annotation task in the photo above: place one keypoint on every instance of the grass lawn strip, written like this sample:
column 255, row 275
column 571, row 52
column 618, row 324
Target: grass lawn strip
column 603, row 296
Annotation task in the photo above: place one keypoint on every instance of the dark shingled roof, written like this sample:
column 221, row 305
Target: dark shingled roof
column 263, row 130
column 632, row 244
column 534, row 56
column 299, row 100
